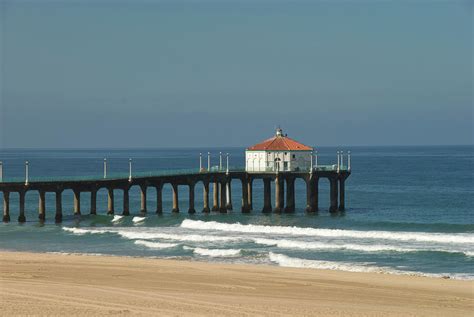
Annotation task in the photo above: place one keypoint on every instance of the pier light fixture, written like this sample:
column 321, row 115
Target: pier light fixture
column 27, row 164
column 105, row 167
column 311, row 164
column 129, row 169
column 1, row 171
column 227, row 163
column 342, row 159
column 208, row 161
column 200, row 161
column 316, row 160
column 349, row 161
column 220, row 161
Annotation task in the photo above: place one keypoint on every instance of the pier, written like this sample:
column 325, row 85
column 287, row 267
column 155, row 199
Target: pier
column 216, row 179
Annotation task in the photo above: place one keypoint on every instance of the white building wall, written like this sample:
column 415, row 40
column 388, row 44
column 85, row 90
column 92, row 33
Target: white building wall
column 262, row 161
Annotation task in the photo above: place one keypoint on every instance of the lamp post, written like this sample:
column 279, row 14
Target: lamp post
column 342, row 159
column 200, row 161
column 130, row 170
column 227, row 163
column 26, row 172
column 1, row 171
column 105, row 167
column 220, row 161
column 316, row 160
column 349, row 161
column 208, row 161
column 311, row 164
column 338, row 161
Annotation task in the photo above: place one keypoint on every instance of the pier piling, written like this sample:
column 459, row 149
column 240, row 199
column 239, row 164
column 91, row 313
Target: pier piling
column 205, row 194
column 21, row 216
column 110, row 201
column 215, row 196
column 223, row 186
column 93, row 210
column 191, row 208
column 267, row 195
column 41, row 206
column 159, row 198
column 126, row 202
column 290, row 194
column 333, row 194
column 143, row 199
column 59, row 207
column 77, row 202
column 175, row 198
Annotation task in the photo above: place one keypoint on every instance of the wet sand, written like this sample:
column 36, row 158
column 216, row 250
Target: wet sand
column 54, row 284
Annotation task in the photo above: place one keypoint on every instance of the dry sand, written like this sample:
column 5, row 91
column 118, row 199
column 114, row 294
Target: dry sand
column 53, row 284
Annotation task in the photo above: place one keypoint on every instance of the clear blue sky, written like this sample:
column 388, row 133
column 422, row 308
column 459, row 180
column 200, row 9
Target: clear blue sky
column 225, row 73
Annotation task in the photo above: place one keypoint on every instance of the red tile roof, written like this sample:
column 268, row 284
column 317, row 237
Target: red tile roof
column 280, row 143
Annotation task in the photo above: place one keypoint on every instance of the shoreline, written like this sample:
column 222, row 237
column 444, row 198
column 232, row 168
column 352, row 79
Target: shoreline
column 371, row 270
column 84, row 284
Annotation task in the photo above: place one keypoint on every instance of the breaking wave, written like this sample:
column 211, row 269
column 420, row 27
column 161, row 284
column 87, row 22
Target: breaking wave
column 307, row 245
column 461, row 238
column 155, row 245
column 215, row 253
column 138, row 219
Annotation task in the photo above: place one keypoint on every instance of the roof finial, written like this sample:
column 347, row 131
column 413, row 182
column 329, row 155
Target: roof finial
column 279, row 131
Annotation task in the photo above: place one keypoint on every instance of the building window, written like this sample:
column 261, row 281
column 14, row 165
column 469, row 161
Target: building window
column 294, row 156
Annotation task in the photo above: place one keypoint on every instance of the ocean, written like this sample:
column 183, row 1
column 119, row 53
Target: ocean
column 409, row 210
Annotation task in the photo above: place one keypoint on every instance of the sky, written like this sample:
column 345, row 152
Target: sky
column 108, row 74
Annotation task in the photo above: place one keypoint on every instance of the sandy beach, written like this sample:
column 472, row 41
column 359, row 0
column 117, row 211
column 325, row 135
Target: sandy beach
column 54, row 284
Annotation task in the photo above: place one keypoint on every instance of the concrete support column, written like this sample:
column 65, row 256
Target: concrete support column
column 245, row 196
column 6, row 206
column 279, row 198
column 333, row 194
column 290, row 195
column 110, row 201
column 191, row 208
column 250, row 193
column 175, row 198
column 267, row 195
column 21, row 217
column 205, row 198
column 143, row 199
column 229, row 194
column 215, row 192
column 315, row 195
column 126, row 202
column 41, row 206
column 59, row 206
column 342, row 192
column 159, row 198
column 223, row 186
column 93, row 202
column 77, row 202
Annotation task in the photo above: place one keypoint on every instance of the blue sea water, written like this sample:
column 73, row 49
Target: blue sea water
column 409, row 211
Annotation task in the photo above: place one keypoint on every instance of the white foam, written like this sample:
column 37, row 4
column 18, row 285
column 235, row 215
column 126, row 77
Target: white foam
column 215, row 253
column 314, row 245
column 138, row 219
column 332, row 233
column 176, row 237
column 155, row 245
column 284, row 260
column 306, row 245
column 117, row 218
column 77, row 231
